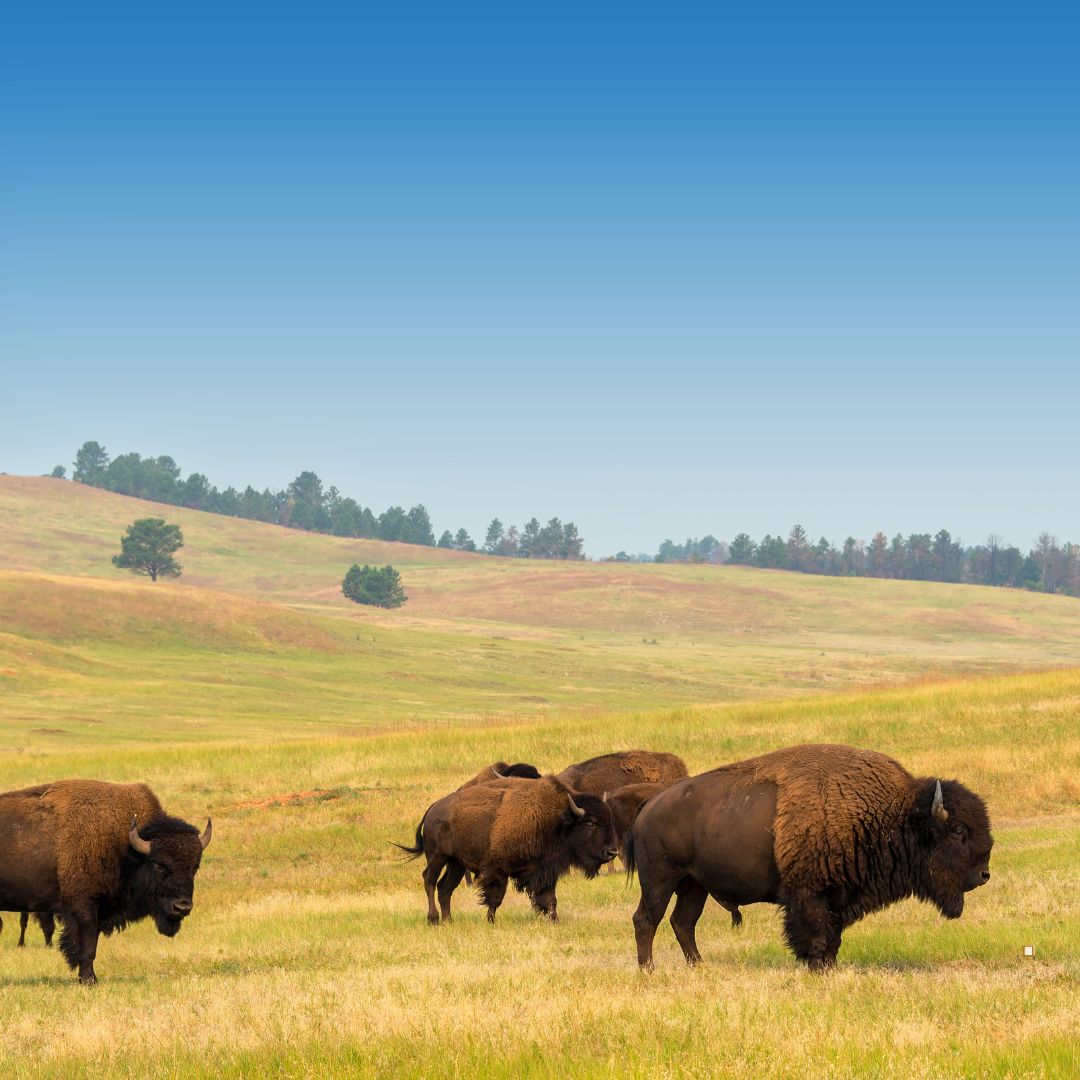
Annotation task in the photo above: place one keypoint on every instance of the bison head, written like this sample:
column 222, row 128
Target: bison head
column 587, row 830
column 163, row 880
column 954, row 833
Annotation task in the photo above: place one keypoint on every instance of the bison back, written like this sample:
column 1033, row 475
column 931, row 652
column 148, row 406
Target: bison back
column 611, row 771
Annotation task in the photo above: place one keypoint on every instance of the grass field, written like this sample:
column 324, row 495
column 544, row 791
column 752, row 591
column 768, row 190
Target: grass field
column 316, row 733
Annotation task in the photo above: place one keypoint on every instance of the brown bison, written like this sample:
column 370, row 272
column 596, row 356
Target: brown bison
column 73, row 848
column 499, row 771
column 527, row 831
column 44, row 919
column 828, row 833
column 600, row 774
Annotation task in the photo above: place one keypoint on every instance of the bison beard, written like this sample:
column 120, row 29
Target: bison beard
column 828, row 833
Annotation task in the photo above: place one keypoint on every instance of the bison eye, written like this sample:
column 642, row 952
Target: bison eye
column 590, row 824
column 159, row 868
column 959, row 832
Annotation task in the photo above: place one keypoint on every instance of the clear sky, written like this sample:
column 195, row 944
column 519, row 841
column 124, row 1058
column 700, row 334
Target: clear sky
column 660, row 270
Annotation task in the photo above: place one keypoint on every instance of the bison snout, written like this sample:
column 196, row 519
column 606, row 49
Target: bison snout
column 975, row 879
column 180, row 908
column 611, row 853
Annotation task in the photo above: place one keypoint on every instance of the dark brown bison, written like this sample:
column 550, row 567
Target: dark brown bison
column 625, row 802
column 44, row 919
column 527, row 831
column 828, row 833
column 73, row 848
column 500, row 771
column 611, row 771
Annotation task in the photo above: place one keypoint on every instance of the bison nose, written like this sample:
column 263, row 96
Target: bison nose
column 985, row 876
column 611, row 853
column 180, row 908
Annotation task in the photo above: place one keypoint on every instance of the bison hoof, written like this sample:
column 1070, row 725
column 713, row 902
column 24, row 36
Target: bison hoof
column 88, row 980
column 736, row 918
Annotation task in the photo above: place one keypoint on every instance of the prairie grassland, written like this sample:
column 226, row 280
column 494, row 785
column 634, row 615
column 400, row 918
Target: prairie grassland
column 308, row 953
column 87, row 661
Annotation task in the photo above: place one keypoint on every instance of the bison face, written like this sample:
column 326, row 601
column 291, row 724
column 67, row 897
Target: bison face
column 955, row 829
column 164, row 882
column 589, row 833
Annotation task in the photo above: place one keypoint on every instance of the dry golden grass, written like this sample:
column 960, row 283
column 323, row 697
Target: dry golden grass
column 308, row 953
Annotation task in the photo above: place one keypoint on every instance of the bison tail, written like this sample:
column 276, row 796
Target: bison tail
column 628, row 854
column 417, row 849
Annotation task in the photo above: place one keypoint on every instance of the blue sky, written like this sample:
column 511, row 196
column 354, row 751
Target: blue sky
column 660, row 271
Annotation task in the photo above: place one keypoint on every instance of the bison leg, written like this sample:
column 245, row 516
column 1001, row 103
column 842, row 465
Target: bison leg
column 79, row 941
column 492, row 891
column 431, row 876
column 811, row 931
column 546, row 903
column 48, row 926
column 657, row 885
column 455, row 871
column 688, row 908
column 24, row 918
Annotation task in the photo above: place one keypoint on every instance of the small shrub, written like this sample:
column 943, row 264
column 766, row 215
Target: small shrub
column 375, row 587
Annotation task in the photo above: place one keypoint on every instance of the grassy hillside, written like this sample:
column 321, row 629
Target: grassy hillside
column 651, row 634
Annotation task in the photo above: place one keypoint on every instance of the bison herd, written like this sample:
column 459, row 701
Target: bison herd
column 826, row 833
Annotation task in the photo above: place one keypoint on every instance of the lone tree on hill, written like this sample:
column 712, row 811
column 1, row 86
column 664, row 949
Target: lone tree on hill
column 375, row 587
column 148, row 547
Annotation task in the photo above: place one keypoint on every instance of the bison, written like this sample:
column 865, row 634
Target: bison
column 100, row 856
column 44, row 919
column 600, row 774
column 527, row 831
column 827, row 833
column 500, row 771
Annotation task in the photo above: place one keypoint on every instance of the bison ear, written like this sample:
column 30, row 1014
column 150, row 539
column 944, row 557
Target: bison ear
column 136, row 841
column 207, row 833
column 574, row 806
column 938, row 809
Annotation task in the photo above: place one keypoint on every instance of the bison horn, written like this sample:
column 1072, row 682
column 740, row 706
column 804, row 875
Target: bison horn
column 136, row 841
column 496, row 772
column 574, row 806
column 605, row 796
column 938, row 809
column 207, row 833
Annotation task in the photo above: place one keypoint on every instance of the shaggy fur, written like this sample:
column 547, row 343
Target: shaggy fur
column 91, row 821
column 612, row 771
column 625, row 802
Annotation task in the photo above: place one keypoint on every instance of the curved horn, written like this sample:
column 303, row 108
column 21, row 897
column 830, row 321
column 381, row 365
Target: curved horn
column 136, row 841
column 496, row 772
column 574, row 806
column 938, row 809
column 207, row 833
column 605, row 796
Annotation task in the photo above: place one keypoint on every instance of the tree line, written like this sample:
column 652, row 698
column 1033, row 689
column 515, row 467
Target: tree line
column 1050, row 566
column 304, row 504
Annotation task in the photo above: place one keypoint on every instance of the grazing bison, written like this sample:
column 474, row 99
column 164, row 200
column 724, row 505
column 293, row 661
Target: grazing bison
column 828, row 833
column 528, row 831
column 45, row 921
column 500, row 771
column 73, row 848
column 600, row 774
